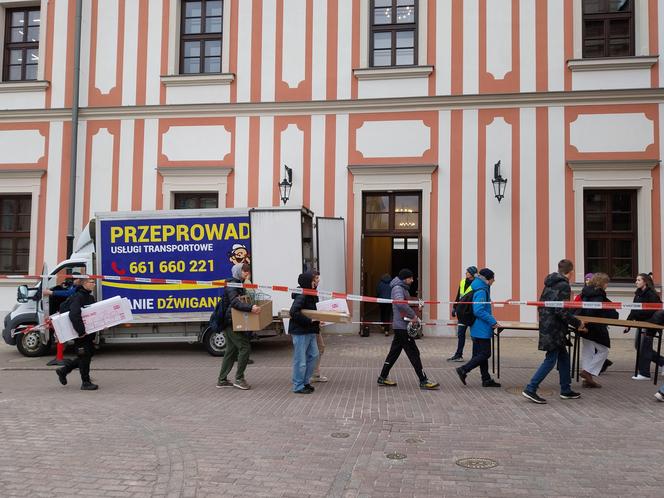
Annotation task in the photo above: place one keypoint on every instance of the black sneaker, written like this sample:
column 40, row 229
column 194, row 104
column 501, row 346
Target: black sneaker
column 89, row 386
column 310, row 387
column 455, row 357
column 224, row 383
column 429, row 385
column 607, row 364
column 62, row 375
column 304, row 390
column 490, row 383
column 534, row 397
column 462, row 375
column 570, row 395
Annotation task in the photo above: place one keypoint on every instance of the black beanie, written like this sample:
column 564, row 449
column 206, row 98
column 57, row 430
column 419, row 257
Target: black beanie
column 405, row 273
column 487, row 273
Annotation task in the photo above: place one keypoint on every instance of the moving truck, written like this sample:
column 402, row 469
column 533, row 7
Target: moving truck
column 183, row 245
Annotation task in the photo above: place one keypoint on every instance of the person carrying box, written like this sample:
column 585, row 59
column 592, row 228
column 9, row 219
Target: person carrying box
column 238, row 346
column 85, row 343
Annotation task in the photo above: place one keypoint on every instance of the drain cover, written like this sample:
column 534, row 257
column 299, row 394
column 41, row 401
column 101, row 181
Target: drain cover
column 396, row 456
column 414, row 440
column 340, row 435
column 518, row 390
column 477, row 463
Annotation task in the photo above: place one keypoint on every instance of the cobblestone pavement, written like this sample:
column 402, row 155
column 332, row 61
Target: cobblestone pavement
column 159, row 427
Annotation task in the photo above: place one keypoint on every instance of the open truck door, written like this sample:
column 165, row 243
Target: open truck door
column 282, row 248
column 331, row 253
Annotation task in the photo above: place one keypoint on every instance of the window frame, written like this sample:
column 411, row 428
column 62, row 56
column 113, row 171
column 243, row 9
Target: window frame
column 609, row 234
column 391, row 214
column 198, row 196
column 200, row 37
column 606, row 17
column 393, row 28
column 24, row 46
column 15, row 235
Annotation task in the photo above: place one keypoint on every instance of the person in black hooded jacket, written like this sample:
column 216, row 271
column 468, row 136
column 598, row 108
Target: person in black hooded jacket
column 596, row 341
column 84, row 344
column 553, row 331
column 645, row 293
column 303, row 330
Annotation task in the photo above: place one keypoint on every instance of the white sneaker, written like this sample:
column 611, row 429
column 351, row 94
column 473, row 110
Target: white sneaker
column 659, row 395
column 640, row 377
column 319, row 378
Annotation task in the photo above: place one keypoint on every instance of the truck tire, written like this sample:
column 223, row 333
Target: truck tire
column 214, row 342
column 31, row 344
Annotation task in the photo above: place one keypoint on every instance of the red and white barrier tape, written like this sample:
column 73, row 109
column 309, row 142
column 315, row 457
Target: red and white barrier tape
column 354, row 297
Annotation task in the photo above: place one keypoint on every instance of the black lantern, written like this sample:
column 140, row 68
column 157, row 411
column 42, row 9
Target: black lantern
column 499, row 183
column 286, row 184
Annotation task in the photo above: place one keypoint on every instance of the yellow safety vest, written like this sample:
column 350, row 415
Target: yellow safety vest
column 463, row 290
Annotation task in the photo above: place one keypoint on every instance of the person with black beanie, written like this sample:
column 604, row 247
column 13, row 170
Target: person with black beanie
column 402, row 341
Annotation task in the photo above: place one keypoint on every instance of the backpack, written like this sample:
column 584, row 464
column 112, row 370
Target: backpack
column 217, row 317
column 464, row 309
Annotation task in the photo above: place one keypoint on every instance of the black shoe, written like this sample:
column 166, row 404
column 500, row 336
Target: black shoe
column 607, row 364
column 384, row 381
column 304, row 390
column 490, row 383
column 62, row 375
column 89, row 386
column 570, row 395
column 455, row 357
column 534, row 397
column 462, row 375
column 250, row 361
column 310, row 387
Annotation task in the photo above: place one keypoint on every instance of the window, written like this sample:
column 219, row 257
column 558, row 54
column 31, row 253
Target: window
column 21, row 55
column 389, row 213
column 15, row 233
column 610, row 233
column 608, row 28
column 200, row 36
column 196, row 200
column 393, row 40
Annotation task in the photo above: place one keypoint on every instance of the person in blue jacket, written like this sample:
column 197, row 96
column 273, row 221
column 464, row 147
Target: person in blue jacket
column 482, row 330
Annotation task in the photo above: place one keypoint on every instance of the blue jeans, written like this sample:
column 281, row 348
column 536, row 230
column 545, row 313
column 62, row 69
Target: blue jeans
column 561, row 357
column 461, row 334
column 305, row 354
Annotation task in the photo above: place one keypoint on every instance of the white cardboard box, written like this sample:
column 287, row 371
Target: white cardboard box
column 96, row 317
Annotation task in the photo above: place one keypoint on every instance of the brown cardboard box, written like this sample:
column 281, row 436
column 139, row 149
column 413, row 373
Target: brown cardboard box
column 327, row 316
column 247, row 321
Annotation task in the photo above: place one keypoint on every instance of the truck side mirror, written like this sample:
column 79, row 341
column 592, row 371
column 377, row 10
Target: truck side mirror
column 22, row 294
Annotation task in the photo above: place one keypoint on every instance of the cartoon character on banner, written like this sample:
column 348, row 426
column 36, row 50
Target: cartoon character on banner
column 239, row 255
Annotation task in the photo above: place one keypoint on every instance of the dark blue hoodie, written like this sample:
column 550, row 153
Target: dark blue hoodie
column 300, row 324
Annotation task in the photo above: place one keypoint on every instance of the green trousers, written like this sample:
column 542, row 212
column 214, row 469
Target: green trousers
column 238, row 348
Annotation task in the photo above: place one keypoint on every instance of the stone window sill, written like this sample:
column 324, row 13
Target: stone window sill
column 388, row 73
column 609, row 63
column 23, row 86
column 198, row 79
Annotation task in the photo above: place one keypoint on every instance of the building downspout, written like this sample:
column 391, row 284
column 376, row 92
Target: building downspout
column 74, row 129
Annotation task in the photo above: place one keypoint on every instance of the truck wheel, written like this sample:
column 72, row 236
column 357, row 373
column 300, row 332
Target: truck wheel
column 214, row 342
column 31, row 344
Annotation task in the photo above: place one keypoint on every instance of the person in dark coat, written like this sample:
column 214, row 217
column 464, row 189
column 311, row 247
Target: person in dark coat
column 84, row 345
column 645, row 293
column 238, row 345
column 553, row 332
column 595, row 342
column 304, row 330
column 402, row 341
column 384, row 291
column 464, row 288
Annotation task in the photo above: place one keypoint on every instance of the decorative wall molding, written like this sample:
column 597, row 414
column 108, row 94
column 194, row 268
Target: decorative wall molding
column 612, row 63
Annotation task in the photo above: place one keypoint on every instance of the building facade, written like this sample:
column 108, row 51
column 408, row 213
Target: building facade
column 391, row 113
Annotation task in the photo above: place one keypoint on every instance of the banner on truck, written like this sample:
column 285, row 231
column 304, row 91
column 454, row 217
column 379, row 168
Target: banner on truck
column 167, row 248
